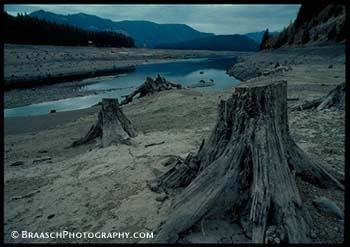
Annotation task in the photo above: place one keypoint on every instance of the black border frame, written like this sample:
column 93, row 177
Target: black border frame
column 347, row 102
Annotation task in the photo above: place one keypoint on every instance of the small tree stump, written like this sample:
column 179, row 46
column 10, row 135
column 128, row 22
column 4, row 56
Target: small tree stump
column 247, row 169
column 112, row 126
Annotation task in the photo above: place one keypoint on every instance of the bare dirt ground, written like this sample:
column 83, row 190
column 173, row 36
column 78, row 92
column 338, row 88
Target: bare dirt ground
column 104, row 189
column 93, row 189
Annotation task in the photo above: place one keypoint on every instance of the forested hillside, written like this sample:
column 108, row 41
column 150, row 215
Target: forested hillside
column 315, row 24
column 25, row 29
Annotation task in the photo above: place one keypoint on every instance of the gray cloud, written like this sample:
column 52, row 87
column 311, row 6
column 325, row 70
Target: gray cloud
column 218, row 19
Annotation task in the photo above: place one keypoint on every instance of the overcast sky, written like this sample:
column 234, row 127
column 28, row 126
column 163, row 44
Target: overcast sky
column 218, row 19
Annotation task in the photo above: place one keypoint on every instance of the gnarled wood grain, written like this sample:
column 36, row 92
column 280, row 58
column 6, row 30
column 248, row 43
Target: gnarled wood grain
column 247, row 167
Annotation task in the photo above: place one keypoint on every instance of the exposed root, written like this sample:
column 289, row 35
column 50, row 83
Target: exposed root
column 248, row 168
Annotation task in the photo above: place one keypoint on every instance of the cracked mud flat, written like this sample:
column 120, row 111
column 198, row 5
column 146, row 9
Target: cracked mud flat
column 94, row 189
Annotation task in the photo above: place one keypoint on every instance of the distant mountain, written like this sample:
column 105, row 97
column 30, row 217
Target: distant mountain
column 257, row 36
column 234, row 42
column 145, row 33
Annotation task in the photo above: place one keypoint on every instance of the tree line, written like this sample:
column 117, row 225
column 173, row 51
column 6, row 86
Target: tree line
column 25, row 29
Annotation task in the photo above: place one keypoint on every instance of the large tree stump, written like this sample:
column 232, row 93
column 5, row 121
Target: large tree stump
column 151, row 86
column 247, row 168
column 112, row 126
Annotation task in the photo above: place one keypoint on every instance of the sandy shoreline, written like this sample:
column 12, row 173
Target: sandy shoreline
column 14, row 125
column 29, row 66
column 104, row 189
column 69, row 68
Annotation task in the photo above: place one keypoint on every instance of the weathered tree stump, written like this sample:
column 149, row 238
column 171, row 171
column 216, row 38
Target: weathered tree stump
column 112, row 126
column 151, row 86
column 247, row 168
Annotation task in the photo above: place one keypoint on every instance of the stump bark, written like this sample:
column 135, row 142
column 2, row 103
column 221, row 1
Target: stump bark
column 151, row 86
column 246, row 168
column 111, row 127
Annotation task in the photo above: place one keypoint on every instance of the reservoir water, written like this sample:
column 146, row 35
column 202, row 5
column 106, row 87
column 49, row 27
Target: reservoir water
column 184, row 72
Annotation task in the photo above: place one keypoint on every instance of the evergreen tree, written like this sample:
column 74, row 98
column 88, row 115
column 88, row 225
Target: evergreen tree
column 264, row 39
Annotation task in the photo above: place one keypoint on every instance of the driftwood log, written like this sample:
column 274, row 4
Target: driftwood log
column 336, row 97
column 247, row 169
column 112, row 126
column 308, row 104
column 151, row 86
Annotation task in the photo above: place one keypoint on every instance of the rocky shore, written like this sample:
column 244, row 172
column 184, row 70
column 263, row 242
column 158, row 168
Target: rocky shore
column 311, row 71
column 268, row 62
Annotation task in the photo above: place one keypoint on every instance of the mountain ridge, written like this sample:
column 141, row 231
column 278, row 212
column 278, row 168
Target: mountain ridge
column 233, row 42
column 145, row 33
